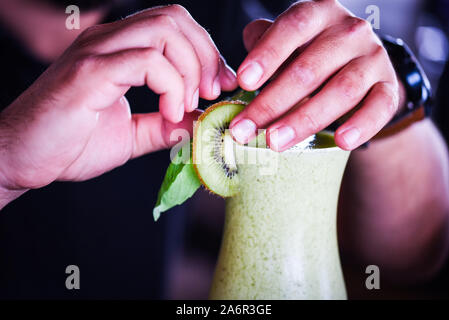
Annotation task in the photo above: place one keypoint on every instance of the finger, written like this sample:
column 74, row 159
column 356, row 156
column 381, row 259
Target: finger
column 205, row 48
column 307, row 72
column 152, row 132
column 254, row 31
column 199, row 38
column 162, row 33
column 341, row 94
column 111, row 75
column 227, row 77
column 293, row 28
column 376, row 111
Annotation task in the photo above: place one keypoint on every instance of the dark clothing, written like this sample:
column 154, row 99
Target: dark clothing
column 104, row 226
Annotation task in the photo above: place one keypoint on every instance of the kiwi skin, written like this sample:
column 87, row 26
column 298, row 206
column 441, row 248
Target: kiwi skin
column 195, row 129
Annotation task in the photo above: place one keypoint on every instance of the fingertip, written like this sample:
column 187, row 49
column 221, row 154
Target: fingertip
column 343, row 146
column 193, row 102
column 269, row 142
column 244, row 86
column 170, row 113
column 281, row 137
column 347, row 138
column 228, row 79
column 235, row 120
column 243, row 130
column 210, row 90
column 205, row 91
column 249, row 75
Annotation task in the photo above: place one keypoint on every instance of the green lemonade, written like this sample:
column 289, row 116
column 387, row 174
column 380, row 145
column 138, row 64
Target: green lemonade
column 280, row 235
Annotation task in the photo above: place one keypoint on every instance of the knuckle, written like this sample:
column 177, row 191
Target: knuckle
column 304, row 73
column 356, row 25
column 351, row 84
column 84, row 65
column 379, row 52
column 165, row 21
column 178, row 9
column 298, row 15
column 382, row 59
column 332, row 2
column 310, row 122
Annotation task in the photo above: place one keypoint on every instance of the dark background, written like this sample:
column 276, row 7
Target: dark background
column 105, row 225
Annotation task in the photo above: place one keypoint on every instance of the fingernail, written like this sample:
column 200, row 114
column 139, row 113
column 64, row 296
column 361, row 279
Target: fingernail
column 251, row 74
column 195, row 97
column 216, row 89
column 243, row 130
column 230, row 74
column 180, row 114
column 281, row 137
column 351, row 136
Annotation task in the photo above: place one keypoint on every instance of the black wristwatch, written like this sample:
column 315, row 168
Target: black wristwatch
column 415, row 82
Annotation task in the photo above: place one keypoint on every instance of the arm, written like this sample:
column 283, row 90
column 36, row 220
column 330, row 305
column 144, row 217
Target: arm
column 394, row 205
column 395, row 194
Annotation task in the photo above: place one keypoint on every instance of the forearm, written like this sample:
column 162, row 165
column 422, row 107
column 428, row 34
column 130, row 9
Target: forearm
column 394, row 204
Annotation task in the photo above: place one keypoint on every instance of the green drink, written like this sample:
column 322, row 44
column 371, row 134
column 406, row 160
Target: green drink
column 280, row 235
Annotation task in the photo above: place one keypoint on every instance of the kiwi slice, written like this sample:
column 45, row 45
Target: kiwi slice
column 213, row 148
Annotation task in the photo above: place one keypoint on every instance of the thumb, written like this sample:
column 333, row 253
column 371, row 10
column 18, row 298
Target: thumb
column 254, row 31
column 152, row 132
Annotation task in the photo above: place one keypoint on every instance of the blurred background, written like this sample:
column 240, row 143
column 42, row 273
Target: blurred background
column 105, row 226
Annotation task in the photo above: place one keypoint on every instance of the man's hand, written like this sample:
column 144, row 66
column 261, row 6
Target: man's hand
column 315, row 46
column 74, row 122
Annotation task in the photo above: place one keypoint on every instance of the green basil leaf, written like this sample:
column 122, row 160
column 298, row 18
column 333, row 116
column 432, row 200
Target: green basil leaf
column 180, row 183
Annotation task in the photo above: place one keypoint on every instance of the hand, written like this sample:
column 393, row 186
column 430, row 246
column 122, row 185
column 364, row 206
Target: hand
column 315, row 47
column 74, row 122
